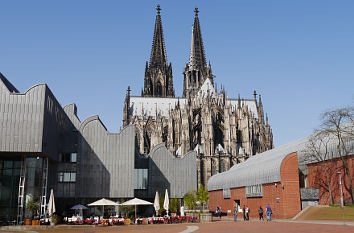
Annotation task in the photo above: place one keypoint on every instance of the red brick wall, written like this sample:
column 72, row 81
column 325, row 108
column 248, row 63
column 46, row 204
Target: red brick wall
column 317, row 179
column 289, row 173
column 289, row 196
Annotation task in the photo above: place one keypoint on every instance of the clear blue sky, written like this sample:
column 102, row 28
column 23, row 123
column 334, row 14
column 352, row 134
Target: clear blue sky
column 298, row 54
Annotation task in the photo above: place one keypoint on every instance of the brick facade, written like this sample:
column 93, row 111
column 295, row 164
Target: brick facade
column 316, row 178
column 283, row 197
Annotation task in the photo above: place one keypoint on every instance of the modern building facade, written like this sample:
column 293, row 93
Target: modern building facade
column 44, row 145
column 221, row 130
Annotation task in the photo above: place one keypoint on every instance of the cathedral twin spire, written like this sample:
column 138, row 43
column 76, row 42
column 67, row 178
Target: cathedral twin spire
column 158, row 80
column 158, row 56
column 197, row 57
column 197, row 70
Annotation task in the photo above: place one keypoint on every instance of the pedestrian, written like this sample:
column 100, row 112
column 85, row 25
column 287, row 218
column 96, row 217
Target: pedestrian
column 235, row 213
column 260, row 212
column 244, row 213
column 269, row 213
column 220, row 212
column 247, row 213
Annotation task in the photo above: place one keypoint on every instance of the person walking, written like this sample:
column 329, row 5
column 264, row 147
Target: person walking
column 244, row 213
column 220, row 212
column 247, row 213
column 235, row 213
column 260, row 212
column 269, row 213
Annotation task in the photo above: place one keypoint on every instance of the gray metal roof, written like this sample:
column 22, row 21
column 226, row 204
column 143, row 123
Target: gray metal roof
column 259, row 169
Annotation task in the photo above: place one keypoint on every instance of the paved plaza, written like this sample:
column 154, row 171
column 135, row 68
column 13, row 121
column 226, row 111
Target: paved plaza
column 224, row 226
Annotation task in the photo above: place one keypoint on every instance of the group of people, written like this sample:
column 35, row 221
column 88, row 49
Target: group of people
column 246, row 211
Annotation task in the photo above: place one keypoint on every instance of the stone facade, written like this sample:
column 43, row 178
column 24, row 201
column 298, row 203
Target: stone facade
column 223, row 131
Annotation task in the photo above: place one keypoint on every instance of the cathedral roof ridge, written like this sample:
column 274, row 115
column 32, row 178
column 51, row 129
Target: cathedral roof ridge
column 158, row 97
column 242, row 99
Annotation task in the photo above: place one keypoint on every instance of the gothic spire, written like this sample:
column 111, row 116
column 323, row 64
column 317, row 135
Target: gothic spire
column 158, row 80
column 158, row 56
column 197, row 70
column 197, row 56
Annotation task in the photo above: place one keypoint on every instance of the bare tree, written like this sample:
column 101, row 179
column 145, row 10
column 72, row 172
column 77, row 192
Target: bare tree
column 317, row 151
column 339, row 123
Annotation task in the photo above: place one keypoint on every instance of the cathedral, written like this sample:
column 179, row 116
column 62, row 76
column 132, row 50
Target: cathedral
column 222, row 131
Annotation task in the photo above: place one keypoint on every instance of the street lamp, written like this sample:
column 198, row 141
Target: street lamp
column 341, row 190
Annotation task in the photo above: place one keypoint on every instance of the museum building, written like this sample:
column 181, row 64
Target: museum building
column 44, row 145
column 285, row 178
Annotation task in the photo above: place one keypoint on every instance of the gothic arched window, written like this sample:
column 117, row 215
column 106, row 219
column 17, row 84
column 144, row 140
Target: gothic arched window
column 158, row 89
column 146, row 143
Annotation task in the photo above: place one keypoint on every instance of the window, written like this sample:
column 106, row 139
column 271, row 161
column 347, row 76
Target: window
column 141, row 178
column 226, row 193
column 60, row 176
column 73, row 157
column 254, row 191
column 68, row 157
column 73, row 177
column 66, row 177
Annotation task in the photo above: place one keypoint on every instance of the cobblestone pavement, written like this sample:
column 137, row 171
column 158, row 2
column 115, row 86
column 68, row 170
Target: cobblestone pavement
column 224, row 226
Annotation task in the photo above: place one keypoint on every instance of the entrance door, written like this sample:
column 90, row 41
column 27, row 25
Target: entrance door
column 237, row 204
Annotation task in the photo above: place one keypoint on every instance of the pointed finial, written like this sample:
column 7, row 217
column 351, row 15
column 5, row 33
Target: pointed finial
column 196, row 11
column 158, row 9
column 255, row 94
column 239, row 101
column 260, row 100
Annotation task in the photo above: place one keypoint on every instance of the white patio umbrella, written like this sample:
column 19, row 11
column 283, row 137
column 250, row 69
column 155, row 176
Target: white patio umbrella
column 51, row 203
column 166, row 203
column 135, row 202
column 157, row 203
column 102, row 202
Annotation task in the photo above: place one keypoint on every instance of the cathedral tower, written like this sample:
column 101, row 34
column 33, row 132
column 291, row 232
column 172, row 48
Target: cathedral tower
column 158, row 81
column 222, row 131
column 197, row 70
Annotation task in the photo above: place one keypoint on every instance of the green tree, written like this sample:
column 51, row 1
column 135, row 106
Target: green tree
column 174, row 204
column 161, row 201
column 190, row 199
column 32, row 206
column 128, row 210
column 202, row 195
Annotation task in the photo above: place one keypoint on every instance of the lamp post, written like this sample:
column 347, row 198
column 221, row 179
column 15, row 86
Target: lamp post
column 341, row 190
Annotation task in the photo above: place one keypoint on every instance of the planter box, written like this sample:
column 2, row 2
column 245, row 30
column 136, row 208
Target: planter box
column 127, row 221
column 144, row 222
column 28, row 221
column 36, row 223
column 205, row 217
